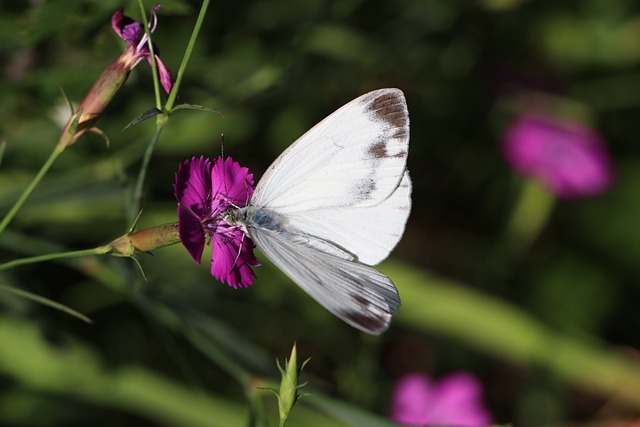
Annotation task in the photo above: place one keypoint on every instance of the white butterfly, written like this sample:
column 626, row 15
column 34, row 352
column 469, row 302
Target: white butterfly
column 335, row 202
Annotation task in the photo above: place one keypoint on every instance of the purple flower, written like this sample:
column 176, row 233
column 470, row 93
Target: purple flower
column 138, row 43
column 566, row 156
column 455, row 400
column 205, row 190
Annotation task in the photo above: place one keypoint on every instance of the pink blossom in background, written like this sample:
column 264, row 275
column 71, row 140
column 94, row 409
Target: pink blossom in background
column 455, row 400
column 568, row 157
column 137, row 48
column 205, row 190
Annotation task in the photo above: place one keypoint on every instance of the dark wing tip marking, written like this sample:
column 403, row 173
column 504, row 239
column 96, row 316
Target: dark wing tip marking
column 391, row 107
column 378, row 150
column 367, row 323
column 363, row 302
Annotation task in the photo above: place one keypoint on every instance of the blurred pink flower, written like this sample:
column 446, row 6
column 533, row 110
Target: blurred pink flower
column 205, row 190
column 567, row 156
column 455, row 400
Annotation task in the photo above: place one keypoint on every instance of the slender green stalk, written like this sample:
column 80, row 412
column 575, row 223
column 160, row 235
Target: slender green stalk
column 27, row 192
column 161, row 121
column 45, row 301
column 529, row 215
column 154, row 68
column 187, row 55
column 101, row 250
column 136, row 197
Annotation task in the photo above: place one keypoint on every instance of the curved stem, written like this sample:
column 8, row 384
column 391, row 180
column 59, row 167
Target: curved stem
column 529, row 215
column 101, row 250
column 136, row 197
column 152, row 56
column 32, row 185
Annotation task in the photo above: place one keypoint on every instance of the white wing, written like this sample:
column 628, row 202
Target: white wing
column 360, row 295
column 344, row 181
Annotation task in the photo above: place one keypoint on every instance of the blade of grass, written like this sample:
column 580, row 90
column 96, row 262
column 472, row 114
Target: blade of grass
column 46, row 301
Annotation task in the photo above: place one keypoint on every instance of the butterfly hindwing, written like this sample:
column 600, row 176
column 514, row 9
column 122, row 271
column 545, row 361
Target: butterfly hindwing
column 360, row 295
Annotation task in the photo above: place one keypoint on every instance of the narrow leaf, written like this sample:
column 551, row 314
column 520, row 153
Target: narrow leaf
column 67, row 100
column 196, row 107
column 142, row 117
column 45, row 301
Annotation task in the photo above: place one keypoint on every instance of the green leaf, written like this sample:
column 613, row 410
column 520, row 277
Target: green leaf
column 45, row 301
column 196, row 107
column 142, row 117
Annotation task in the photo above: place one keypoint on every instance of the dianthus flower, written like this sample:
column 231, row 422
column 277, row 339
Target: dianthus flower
column 116, row 74
column 566, row 156
column 137, row 48
column 205, row 190
column 455, row 400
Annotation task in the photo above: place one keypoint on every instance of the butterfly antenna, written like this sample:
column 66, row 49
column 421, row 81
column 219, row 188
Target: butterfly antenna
column 224, row 175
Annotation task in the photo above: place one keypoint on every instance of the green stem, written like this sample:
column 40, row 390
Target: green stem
column 187, row 55
column 154, row 68
column 101, row 250
column 162, row 119
column 529, row 216
column 27, row 192
column 136, row 197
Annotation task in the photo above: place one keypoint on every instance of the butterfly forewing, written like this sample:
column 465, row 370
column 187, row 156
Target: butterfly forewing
column 344, row 180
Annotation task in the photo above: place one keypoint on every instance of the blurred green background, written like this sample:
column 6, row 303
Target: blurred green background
column 275, row 68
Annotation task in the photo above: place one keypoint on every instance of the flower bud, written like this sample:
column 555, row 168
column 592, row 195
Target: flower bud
column 96, row 101
column 145, row 240
column 288, row 395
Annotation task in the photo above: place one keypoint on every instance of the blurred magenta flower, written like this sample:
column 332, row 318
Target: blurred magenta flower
column 205, row 190
column 455, row 400
column 567, row 156
column 138, row 43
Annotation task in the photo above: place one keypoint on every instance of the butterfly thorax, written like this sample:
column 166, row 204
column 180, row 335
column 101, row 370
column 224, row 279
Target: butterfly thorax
column 256, row 217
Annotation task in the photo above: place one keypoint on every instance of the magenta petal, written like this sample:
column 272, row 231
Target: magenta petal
column 232, row 181
column 411, row 396
column 118, row 22
column 201, row 212
column 129, row 30
column 132, row 33
column 459, row 402
column 232, row 258
column 164, row 74
column 455, row 400
column 568, row 157
column 192, row 187
column 191, row 233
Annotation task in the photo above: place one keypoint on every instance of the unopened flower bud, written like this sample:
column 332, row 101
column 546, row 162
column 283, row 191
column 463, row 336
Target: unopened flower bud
column 145, row 240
